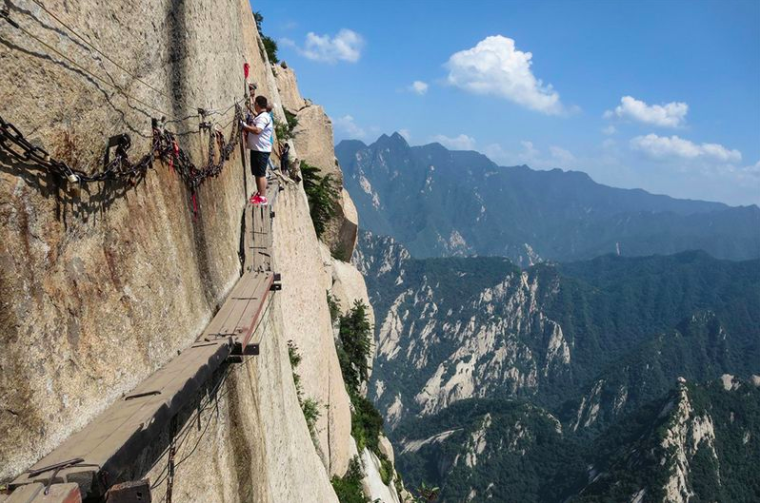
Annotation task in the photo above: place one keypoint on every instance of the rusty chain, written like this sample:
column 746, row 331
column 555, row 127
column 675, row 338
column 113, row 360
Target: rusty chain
column 164, row 147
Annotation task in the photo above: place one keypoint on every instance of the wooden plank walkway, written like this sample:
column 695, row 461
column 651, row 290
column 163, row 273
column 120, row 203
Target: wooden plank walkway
column 94, row 457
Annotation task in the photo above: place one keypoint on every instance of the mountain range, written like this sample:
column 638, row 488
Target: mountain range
column 554, row 358
column 438, row 202
column 541, row 337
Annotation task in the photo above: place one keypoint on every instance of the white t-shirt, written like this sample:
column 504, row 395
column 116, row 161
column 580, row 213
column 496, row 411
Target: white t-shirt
column 261, row 142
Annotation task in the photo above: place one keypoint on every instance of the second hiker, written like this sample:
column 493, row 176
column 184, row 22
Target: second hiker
column 259, row 142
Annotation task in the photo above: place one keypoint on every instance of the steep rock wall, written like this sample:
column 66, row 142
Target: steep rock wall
column 313, row 136
column 251, row 442
column 99, row 289
column 103, row 287
column 307, row 323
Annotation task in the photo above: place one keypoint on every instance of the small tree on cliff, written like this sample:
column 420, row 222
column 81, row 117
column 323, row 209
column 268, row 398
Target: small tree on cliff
column 356, row 344
column 270, row 46
column 322, row 194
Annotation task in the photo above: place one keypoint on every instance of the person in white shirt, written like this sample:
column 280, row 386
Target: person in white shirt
column 259, row 142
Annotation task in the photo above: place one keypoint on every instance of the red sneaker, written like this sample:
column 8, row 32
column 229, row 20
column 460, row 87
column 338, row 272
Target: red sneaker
column 254, row 198
column 261, row 201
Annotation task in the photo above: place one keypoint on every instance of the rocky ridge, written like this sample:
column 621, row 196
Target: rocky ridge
column 527, row 215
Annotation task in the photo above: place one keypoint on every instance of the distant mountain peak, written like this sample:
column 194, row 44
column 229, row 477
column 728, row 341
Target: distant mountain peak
column 524, row 214
column 394, row 140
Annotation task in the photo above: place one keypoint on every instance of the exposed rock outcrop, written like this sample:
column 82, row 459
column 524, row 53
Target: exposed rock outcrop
column 288, row 87
column 313, row 137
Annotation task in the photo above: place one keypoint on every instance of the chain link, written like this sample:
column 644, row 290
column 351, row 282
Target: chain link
column 164, row 148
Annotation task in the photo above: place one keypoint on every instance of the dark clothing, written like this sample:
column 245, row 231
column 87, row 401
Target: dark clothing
column 285, row 159
column 259, row 162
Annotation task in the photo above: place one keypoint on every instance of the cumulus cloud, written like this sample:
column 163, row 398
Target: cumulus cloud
column 530, row 155
column 346, row 127
column 562, row 156
column 405, row 133
column 461, row 142
column 668, row 115
column 495, row 67
column 674, row 146
column 346, row 45
column 419, row 87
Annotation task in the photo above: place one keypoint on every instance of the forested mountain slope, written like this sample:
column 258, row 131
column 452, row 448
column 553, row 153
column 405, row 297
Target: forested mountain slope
column 438, row 202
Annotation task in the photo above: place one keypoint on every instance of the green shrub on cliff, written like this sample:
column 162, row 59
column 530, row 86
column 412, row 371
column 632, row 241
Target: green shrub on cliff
column 322, row 194
column 270, row 46
column 356, row 346
column 309, row 406
column 349, row 487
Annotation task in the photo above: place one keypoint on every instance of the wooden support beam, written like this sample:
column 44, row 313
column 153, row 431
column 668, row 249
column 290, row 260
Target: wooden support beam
column 130, row 492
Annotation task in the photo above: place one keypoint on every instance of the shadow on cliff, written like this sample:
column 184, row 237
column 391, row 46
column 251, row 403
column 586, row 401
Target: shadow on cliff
column 81, row 202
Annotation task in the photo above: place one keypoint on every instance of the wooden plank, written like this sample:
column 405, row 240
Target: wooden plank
column 249, row 322
column 57, row 493
column 115, row 437
column 235, row 304
column 220, row 321
column 247, row 300
column 248, row 239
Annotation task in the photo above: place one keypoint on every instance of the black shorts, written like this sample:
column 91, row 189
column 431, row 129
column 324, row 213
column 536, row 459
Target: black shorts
column 259, row 161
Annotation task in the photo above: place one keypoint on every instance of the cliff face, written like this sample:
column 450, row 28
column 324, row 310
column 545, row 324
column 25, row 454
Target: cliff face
column 313, row 136
column 102, row 287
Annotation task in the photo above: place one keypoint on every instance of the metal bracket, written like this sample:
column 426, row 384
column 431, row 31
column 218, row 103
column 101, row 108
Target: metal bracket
column 277, row 277
column 276, row 287
column 62, row 464
column 122, row 142
column 142, row 395
column 130, row 492
column 204, row 124
column 251, row 350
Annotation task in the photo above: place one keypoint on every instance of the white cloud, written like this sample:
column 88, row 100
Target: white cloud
column 419, row 87
column 668, row 115
column 461, row 142
column 405, row 133
column 609, row 130
column 668, row 147
column 530, row 155
column 495, row 67
column 348, row 128
column 346, row 45
column 497, row 154
column 563, row 157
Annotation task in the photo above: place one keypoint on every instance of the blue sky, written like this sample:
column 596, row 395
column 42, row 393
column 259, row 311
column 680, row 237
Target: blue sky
column 662, row 95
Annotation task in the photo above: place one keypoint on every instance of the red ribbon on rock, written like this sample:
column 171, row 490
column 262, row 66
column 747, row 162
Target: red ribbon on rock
column 174, row 156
